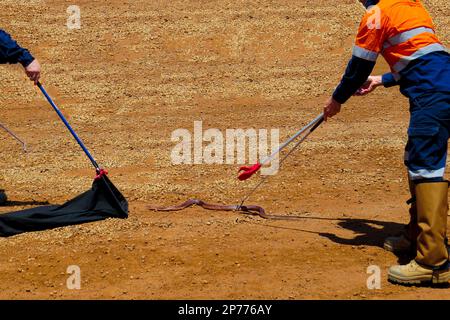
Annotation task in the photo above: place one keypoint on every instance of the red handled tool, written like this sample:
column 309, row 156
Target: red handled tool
column 246, row 172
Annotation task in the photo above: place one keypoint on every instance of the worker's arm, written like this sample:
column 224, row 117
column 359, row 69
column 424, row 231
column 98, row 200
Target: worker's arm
column 356, row 74
column 387, row 80
column 11, row 52
column 368, row 45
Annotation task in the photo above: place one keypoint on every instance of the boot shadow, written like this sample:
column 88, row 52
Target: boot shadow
column 368, row 232
column 368, row 235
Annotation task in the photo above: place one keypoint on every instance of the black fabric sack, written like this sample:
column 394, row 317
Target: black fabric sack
column 101, row 202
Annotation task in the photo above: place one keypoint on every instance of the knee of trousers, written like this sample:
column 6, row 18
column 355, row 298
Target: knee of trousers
column 426, row 153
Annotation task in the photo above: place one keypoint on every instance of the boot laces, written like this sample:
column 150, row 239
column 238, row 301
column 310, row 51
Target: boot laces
column 412, row 266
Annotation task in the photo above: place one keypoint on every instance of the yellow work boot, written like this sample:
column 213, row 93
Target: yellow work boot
column 431, row 263
column 406, row 241
column 413, row 273
column 432, row 204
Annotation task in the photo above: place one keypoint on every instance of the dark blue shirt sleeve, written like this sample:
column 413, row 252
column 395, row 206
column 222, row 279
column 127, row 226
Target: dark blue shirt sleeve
column 357, row 72
column 388, row 80
column 11, row 52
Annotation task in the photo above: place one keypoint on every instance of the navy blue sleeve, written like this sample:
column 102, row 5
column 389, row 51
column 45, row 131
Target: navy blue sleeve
column 11, row 52
column 357, row 72
column 388, row 80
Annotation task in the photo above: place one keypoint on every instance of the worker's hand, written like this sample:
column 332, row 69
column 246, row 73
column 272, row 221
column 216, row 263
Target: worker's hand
column 33, row 71
column 332, row 108
column 371, row 84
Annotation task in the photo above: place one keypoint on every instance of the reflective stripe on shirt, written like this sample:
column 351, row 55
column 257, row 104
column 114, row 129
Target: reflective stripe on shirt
column 405, row 60
column 405, row 36
column 365, row 54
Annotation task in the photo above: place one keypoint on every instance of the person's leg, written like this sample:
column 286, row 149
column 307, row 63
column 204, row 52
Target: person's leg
column 431, row 263
column 427, row 153
column 406, row 241
column 432, row 202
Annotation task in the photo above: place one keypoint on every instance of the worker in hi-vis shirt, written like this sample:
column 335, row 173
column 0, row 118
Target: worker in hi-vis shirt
column 402, row 31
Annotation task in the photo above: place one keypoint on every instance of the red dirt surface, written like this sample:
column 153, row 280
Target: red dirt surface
column 136, row 71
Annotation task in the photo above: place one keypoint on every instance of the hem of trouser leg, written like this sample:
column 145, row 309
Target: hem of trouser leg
column 440, row 274
column 442, row 266
column 445, row 265
column 429, row 180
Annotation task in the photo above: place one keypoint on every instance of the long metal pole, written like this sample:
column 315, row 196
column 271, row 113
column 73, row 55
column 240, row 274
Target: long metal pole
column 94, row 163
column 295, row 136
column 316, row 123
column 24, row 145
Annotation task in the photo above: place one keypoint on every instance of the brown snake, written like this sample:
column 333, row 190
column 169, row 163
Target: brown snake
column 251, row 209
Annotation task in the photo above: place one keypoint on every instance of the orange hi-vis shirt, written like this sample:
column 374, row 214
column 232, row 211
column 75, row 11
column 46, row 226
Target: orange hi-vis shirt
column 400, row 30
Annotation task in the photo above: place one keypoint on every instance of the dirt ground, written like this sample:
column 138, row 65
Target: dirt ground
column 138, row 70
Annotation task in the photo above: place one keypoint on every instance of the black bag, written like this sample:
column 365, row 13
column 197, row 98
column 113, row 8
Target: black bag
column 101, row 202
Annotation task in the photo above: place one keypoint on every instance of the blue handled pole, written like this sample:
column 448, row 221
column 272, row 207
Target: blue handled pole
column 97, row 167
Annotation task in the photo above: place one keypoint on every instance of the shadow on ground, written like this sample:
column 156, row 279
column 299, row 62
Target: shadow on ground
column 25, row 203
column 367, row 232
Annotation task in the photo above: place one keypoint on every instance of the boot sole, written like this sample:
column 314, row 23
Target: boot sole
column 440, row 278
column 408, row 281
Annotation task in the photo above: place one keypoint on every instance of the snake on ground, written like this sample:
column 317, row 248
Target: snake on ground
column 250, row 209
